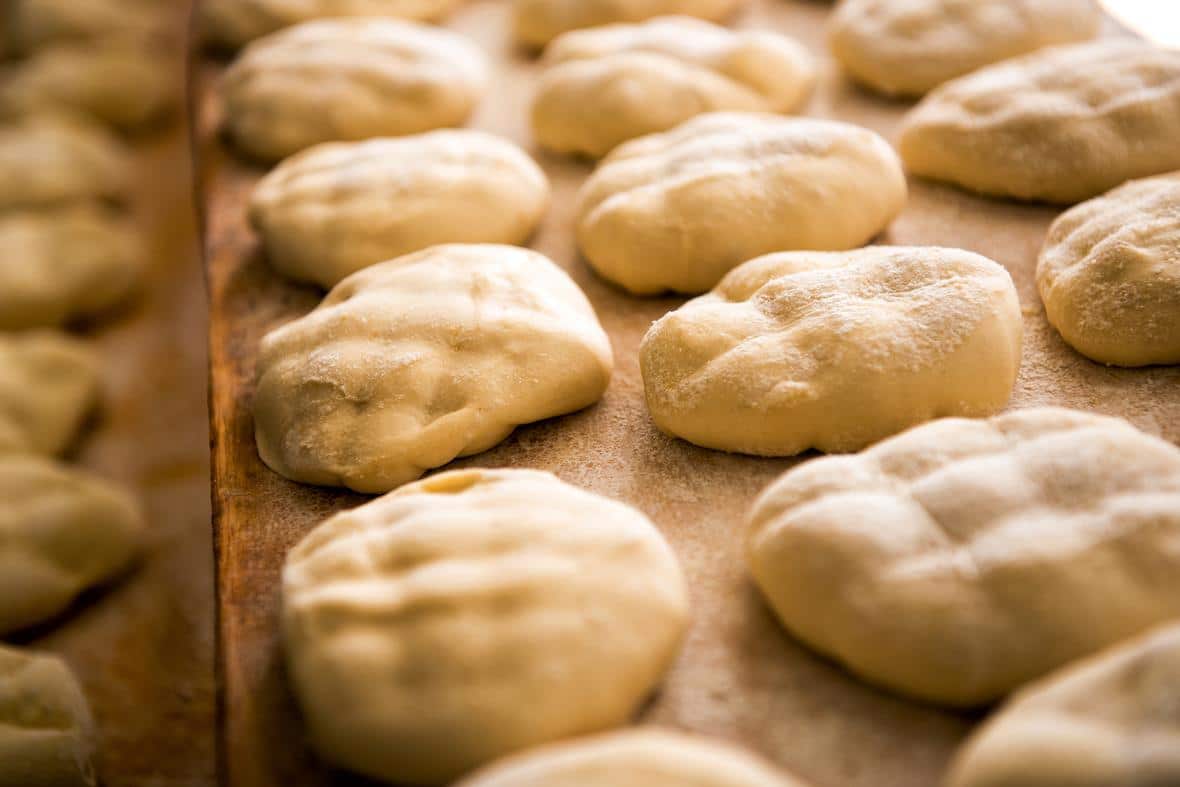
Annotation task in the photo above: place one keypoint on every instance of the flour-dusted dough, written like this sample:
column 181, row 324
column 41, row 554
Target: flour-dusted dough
column 349, row 79
column 537, row 22
column 677, row 211
column 49, row 383
column 474, row 614
column 834, row 351
column 413, row 362
column 49, row 161
column 47, row 736
column 65, row 264
column 231, row 24
column 1112, row 720
column 1109, row 274
column 610, row 84
column 1060, row 125
column 964, row 558
column 909, row 47
column 339, row 207
column 636, row 758
column 61, row 532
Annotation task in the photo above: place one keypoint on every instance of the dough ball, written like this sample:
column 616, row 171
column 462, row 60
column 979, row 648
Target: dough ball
column 834, row 351
column 47, row 736
column 61, row 532
column 472, row 615
column 49, row 384
column 1112, row 719
column 964, row 558
column 910, row 47
column 340, row 207
column 48, row 161
column 37, row 23
column 230, row 24
column 635, row 758
column 610, row 84
column 537, row 22
column 1109, row 274
column 1060, row 125
column 61, row 265
column 677, row 211
column 346, row 80
column 419, row 360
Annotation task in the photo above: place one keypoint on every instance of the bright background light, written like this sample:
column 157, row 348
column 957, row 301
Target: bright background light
column 1158, row 20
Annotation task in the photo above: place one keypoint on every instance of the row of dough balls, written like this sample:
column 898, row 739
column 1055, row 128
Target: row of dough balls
column 478, row 614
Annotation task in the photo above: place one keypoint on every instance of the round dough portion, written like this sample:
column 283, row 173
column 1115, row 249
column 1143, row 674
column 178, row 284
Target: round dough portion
column 61, row 265
column 47, row 735
column 997, row 550
column 537, row 22
column 635, row 758
column 39, row 22
column 413, row 362
column 1109, row 274
column 677, row 211
column 834, row 351
column 474, row 614
column 610, row 84
column 231, row 24
column 909, row 47
column 50, row 161
column 61, row 532
column 1111, row 719
column 346, row 80
column 1060, row 125
column 339, row 207
column 49, row 384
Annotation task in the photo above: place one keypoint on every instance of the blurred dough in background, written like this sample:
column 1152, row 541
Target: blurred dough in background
column 38, row 22
column 537, row 22
column 47, row 161
column 49, row 384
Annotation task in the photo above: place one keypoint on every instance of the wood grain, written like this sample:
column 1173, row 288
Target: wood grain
column 739, row 677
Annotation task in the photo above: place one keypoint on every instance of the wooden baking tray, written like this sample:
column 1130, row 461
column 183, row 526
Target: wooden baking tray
column 740, row 677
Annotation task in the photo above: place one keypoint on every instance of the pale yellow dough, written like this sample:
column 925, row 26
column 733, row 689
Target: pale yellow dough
column 1109, row 274
column 643, row 757
column 834, row 351
column 339, row 207
column 909, row 47
column 964, row 558
column 537, row 22
column 47, row 161
column 609, row 84
column 49, row 384
column 47, row 735
column 346, row 80
column 416, row 361
column 677, row 211
column 61, row 532
column 1060, row 125
column 1112, row 720
column 39, row 22
column 472, row 615
column 61, row 265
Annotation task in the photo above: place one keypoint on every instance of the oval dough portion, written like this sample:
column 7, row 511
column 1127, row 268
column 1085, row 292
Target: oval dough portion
column 340, row 207
column 474, row 614
column 802, row 350
column 39, row 22
column 910, row 47
column 610, row 84
column 1113, row 718
column 644, row 757
column 49, row 384
column 413, row 362
column 677, row 211
column 61, row 532
column 47, row 734
column 61, row 265
column 45, row 162
column 1109, row 274
column 997, row 550
column 1061, row 125
column 537, row 22
column 231, row 24
column 346, row 80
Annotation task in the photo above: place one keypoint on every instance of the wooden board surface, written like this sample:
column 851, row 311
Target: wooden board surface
column 739, row 677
